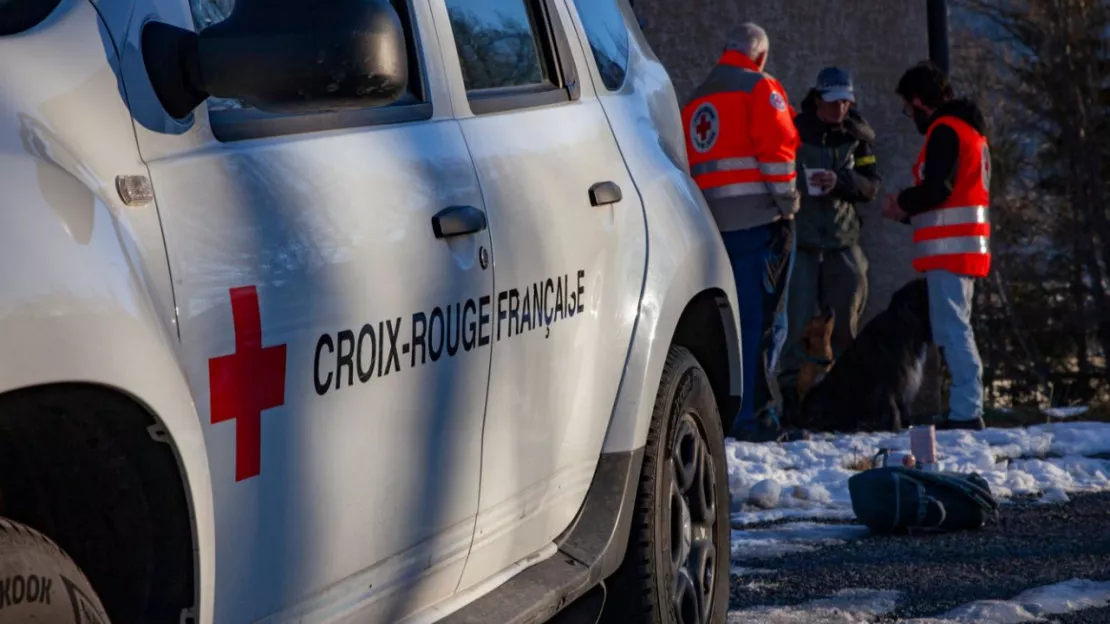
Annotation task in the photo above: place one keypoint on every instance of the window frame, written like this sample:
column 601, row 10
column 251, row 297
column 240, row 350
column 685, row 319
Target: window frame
column 243, row 124
column 561, row 80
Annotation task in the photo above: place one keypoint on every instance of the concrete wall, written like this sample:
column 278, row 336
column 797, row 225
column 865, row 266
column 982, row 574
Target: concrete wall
column 875, row 39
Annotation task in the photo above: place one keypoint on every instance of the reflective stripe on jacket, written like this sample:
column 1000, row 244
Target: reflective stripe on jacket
column 741, row 142
column 955, row 236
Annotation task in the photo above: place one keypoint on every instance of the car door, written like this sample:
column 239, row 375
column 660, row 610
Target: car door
column 333, row 308
column 569, row 255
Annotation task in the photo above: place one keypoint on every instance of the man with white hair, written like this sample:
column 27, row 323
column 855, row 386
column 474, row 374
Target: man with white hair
column 741, row 142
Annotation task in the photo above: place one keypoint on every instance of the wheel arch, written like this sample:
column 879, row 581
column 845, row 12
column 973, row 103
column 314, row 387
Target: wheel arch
column 698, row 312
column 105, row 373
column 707, row 330
column 97, row 471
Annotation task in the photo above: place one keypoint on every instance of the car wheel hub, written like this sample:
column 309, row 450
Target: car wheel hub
column 693, row 518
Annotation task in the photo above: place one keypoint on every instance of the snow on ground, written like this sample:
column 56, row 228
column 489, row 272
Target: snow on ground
column 1030, row 605
column 812, row 476
column 862, row 606
column 791, row 538
column 808, row 480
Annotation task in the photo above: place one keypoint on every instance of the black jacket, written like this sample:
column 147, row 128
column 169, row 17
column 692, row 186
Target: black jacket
column 942, row 155
column 830, row 221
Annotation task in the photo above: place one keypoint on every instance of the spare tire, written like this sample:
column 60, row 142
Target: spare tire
column 40, row 583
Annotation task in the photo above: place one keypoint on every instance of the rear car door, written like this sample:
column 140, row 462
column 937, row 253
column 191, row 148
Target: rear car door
column 569, row 256
column 332, row 331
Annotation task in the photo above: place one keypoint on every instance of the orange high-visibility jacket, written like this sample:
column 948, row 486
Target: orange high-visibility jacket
column 955, row 236
column 741, row 142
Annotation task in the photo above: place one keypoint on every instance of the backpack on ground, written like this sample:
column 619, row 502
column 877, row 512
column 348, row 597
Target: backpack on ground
column 893, row 499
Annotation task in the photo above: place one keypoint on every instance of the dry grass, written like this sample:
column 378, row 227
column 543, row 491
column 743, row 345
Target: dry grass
column 858, row 462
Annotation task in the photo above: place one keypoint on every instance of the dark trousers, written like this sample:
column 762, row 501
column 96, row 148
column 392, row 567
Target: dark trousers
column 835, row 279
column 762, row 258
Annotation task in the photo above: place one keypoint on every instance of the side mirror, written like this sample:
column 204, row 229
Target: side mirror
column 283, row 56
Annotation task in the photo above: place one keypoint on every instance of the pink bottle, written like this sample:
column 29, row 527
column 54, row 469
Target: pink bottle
column 923, row 445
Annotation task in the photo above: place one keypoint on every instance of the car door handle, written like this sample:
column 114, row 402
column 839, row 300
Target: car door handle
column 458, row 221
column 605, row 193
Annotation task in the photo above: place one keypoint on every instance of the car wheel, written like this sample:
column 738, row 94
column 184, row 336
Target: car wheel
column 675, row 570
column 40, row 583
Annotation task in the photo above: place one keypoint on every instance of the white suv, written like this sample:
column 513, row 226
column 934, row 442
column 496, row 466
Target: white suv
column 355, row 311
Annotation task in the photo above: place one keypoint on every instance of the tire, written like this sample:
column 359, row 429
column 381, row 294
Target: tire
column 40, row 583
column 645, row 587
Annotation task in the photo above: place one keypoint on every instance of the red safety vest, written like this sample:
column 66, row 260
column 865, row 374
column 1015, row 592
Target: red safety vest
column 740, row 139
column 955, row 236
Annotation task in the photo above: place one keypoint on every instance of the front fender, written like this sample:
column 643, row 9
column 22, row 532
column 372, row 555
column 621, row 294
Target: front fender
column 686, row 258
column 86, row 294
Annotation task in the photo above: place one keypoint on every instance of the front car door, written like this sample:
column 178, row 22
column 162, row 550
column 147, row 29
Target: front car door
column 569, row 256
column 338, row 350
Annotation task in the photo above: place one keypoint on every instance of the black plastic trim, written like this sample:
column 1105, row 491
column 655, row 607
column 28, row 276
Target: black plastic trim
column 501, row 100
column 604, row 193
column 244, row 124
column 458, row 221
column 590, row 550
column 564, row 60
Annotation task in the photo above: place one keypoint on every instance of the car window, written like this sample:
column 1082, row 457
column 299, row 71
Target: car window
column 209, row 12
column 608, row 37
column 497, row 42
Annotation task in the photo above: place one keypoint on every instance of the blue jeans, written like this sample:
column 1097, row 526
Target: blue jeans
column 950, row 299
column 762, row 260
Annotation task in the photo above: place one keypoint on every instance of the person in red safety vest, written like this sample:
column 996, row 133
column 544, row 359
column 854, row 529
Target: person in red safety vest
column 741, row 143
column 948, row 208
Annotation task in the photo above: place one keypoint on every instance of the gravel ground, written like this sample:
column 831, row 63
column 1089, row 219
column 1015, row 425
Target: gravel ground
column 1032, row 545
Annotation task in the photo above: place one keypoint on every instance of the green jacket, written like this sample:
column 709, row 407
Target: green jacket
column 831, row 221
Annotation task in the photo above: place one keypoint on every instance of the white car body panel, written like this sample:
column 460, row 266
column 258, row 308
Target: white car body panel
column 355, row 512
column 381, row 527
column 355, row 508
column 552, row 384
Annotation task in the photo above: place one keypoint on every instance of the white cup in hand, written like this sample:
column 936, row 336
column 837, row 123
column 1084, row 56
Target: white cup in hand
column 812, row 187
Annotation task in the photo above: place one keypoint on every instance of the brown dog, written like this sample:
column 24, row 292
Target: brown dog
column 817, row 351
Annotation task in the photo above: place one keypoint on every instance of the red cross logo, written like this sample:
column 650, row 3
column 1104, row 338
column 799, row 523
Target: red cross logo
column 703, row 127
column 247, row 382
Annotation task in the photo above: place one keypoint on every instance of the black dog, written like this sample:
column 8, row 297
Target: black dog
column 873, row 383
